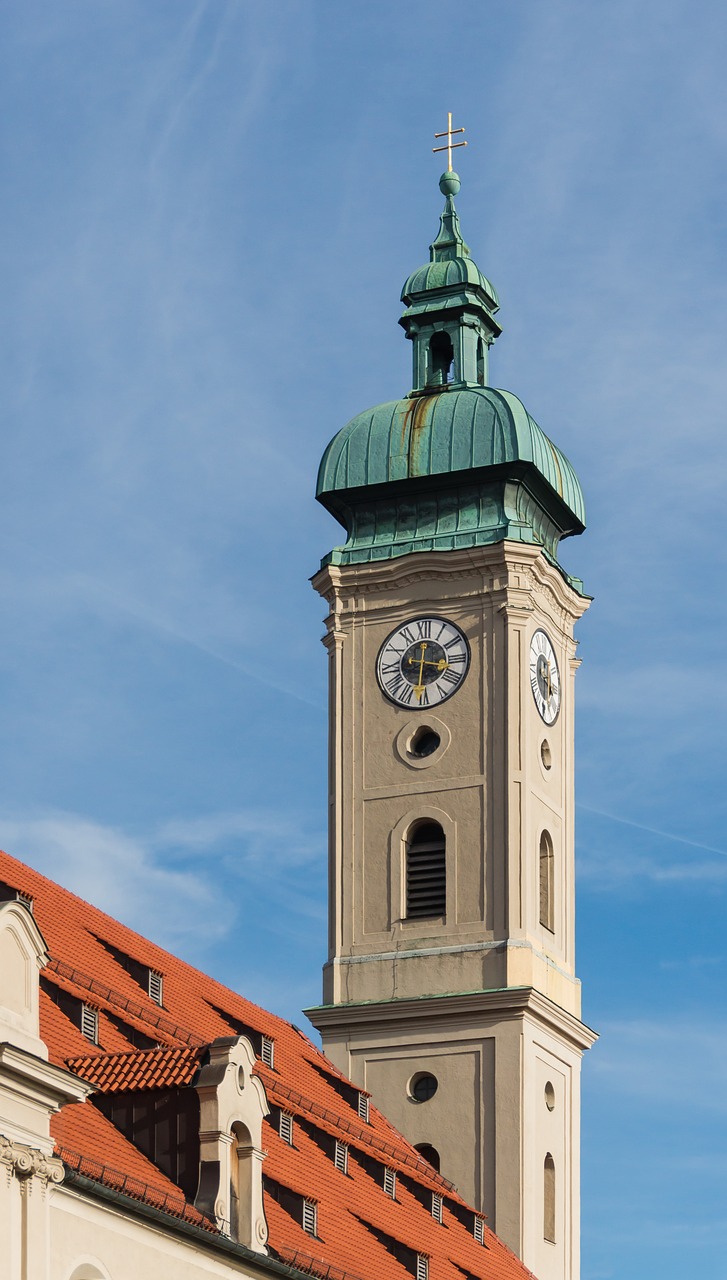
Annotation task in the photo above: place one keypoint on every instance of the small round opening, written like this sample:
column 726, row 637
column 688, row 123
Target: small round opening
column 546, row 754
column 423, row 1086
column 550, row 1096
column 241, row 1078
column 424, row 743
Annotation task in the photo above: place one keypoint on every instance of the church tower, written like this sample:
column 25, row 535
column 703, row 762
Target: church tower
column 450, row 991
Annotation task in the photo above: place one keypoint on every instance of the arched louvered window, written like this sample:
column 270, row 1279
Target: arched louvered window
column 549, row 1199
column 426, row 873
column 547, row 860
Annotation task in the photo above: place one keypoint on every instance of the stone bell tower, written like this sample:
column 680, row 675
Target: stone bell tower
column 450, row 990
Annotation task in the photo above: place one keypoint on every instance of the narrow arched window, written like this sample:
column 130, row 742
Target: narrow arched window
column 428, row 1153
column 547, row 860
column 426, row 872
column 241, row 1154
column 549, row 1199
column 441, row 357
column 480, row 362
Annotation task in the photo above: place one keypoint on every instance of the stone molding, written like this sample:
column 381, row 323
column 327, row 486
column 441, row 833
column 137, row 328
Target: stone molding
column 360, row 581
column 510, row 1003
column 25, row 1162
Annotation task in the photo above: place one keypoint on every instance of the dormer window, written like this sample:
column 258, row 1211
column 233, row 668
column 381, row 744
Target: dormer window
column 436, row 1207
column 89, row 1023
column 156, row 986
column 363, row 1107
column 479, row 1230
column 10, row 894
column 286, row 1127
column 422, row 1267
column 390, row 1182
column 340, row 1158
column 267, row 1051
column 310, row 1217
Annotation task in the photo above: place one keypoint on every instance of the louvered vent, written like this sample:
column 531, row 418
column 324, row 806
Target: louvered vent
column 422, row 1267
column 267, row 1051
column 426, row 878
column 310, row 1217
column 89, row 1023
column 286, row 1127
column 390, row 1182
column 363, row 1107
column 340, row 1158
column 156, row 986
column 436, row 1207
column 479, row 1230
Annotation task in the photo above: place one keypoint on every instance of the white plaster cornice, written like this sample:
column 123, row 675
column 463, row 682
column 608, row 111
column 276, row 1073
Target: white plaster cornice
column 38, row 1080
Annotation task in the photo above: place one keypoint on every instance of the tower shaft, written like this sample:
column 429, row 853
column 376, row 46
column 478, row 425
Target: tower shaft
column 450, row 990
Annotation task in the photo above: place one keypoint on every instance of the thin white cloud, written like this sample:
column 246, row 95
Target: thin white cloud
column 202, row 870
column 653, row 831
column 677, row 1062
column 121, row 874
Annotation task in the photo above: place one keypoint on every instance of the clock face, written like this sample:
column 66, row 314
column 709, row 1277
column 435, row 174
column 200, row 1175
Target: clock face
column 544, row 677
column 423, row 662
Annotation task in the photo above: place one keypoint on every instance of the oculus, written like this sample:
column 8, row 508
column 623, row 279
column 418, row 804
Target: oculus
column 544, row 677
column 423, row 662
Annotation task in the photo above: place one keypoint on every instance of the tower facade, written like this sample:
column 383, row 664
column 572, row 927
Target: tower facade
column 450, row 990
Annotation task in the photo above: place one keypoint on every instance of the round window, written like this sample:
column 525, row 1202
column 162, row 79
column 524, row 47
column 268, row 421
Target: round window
column 424, row 743
column 423, row 1086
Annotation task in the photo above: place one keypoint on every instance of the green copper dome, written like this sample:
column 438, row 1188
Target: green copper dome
column 439, row 435
column 445, row 275
column 455, row 463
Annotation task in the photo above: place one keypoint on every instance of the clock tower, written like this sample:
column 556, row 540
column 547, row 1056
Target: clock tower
column 450, row 991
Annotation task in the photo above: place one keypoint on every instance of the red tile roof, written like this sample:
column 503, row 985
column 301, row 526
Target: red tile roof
column 360, row 1229
column 122, row 1072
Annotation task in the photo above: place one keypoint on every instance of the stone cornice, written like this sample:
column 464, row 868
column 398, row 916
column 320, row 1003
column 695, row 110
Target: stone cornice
column 508, row 1003
column 492, row 562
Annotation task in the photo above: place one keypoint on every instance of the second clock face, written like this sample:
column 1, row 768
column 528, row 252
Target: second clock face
column 423, row 662
column 544, row 677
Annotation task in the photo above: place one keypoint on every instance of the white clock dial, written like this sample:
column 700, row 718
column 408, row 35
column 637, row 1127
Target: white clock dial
column 423, row 662
column 544, row 677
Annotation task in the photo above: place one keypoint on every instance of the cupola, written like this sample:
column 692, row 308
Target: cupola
column 450, row 308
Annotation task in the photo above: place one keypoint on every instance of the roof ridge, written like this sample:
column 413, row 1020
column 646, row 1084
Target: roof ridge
column 273, row 1087
column 119, row 1001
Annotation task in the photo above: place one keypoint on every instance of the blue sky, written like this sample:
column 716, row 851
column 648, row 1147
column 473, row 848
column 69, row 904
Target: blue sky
column 209, row 210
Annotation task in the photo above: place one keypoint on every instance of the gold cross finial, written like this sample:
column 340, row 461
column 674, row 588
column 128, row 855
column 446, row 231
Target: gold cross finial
column 448, row 134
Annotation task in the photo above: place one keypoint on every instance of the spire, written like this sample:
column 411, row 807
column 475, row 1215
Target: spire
column 449, row 242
